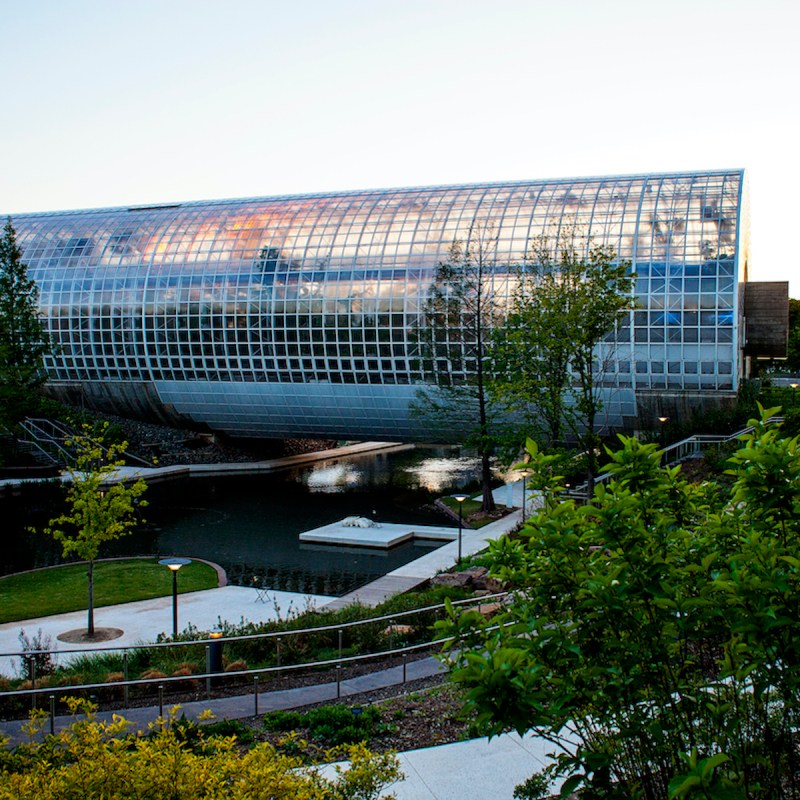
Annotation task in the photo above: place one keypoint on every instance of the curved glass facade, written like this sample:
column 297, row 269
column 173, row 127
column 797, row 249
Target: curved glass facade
column 291, row 315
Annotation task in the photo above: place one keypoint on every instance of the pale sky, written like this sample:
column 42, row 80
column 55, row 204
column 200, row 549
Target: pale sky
column 115, row 102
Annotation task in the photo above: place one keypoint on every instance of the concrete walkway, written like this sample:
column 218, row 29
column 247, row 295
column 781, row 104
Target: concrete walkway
column 144, row 620
column 443, row 558
column 478, row 768
column 157, row 474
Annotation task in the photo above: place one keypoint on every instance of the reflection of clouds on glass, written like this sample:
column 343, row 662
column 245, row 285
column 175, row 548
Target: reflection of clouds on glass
column 273, row 293
column 333, row 478
column 435, row 474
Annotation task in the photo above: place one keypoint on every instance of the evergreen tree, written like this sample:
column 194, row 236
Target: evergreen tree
column 23, row 341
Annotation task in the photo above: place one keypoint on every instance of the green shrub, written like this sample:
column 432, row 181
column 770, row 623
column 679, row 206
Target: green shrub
column 178, row 760
column 282, row 720
column 660, row 624
column 333, row 725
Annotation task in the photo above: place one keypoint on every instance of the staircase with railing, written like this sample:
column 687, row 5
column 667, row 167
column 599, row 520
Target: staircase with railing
column 49, row 438
column 50, row 443
column 685, row 449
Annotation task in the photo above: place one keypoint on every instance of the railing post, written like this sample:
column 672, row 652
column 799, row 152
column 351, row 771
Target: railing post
column 125, row 687
column 208, row 670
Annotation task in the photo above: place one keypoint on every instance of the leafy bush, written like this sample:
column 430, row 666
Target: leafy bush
column 655, row 637
column 38, row 659
column 93, row 759
column 333, row 724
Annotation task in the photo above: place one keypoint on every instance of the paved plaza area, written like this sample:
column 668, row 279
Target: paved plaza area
column 144, row 620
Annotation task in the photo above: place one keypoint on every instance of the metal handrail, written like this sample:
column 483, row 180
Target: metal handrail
column 331, row 662
column 57, row 435
column 253, row 636
column 693, row 442
column 36, row 428
column 337, row 662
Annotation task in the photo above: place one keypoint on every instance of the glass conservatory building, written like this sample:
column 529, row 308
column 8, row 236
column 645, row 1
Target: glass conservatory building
column 294, row 315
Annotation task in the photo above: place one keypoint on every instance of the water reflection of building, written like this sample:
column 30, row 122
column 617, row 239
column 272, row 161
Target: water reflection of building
column 291, row 315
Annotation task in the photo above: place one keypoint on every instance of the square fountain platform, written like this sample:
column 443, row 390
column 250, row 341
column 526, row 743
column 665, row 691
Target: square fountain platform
column 383, row 535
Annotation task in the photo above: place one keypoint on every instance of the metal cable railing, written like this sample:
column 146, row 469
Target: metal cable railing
column 53, row 438
column 338, row 662
column 691, row 447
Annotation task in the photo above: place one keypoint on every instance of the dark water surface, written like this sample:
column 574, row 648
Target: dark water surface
column 250, row 524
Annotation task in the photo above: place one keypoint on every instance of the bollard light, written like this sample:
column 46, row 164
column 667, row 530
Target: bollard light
column 215, row 651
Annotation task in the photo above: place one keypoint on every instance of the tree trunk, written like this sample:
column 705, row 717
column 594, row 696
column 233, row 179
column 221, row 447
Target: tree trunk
column 487, row 503
column 90, row 621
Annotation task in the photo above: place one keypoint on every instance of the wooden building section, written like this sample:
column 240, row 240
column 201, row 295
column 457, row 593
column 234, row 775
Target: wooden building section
column 766, row 313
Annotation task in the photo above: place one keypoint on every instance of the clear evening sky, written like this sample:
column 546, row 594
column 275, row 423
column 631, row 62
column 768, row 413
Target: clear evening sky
column 115, row 102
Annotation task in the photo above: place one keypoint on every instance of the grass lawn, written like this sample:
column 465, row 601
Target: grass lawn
column 61, row 589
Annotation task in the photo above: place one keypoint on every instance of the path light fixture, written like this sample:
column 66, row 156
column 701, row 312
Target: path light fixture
column 793, row 387
column 460, row 498
column 526, row 473
column 214, row 652
column 174, row 564
column 663, row 430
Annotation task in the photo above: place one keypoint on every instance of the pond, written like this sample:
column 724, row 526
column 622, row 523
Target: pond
column 250, row 524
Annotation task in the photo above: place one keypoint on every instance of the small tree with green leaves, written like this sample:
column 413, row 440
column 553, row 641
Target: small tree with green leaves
column 100, row 508
column 23, row 341
column 550, row 354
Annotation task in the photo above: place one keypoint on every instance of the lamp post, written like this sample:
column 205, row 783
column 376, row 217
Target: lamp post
column 793, row 387
column 460, row 498
column 663, row 439
column 174, row 564
column 663, row 430
column 525, row 473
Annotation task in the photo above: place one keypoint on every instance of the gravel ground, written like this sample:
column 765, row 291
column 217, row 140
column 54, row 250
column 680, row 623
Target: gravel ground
column 171, row 446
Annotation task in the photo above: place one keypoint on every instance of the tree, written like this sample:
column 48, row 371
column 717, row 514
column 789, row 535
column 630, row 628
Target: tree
column 793, row 354
column 100, row 511
column 533, row 350
column 555, row 346
column 454, row 336
column 654, row 635
column 23, row 342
